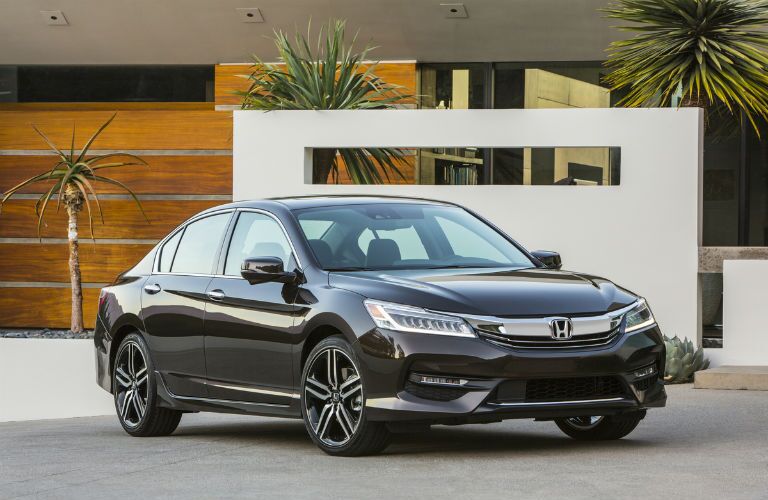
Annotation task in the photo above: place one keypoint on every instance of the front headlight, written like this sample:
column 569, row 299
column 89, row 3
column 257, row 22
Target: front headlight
column 416, row 319
column 639, row 317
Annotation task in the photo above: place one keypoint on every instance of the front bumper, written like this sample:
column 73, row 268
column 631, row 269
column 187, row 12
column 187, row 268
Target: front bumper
column 389, row 357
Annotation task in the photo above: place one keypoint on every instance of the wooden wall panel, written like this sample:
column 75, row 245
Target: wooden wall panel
column 228, row 79
column 45, row 262
column 132, row 129
column 104, row 106
column 51, row 307
column 193, row 174
column 122, row 219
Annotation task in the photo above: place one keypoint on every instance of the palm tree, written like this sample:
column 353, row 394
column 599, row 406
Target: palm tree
column 70, row 181
column 711, row 52
column 332, row 76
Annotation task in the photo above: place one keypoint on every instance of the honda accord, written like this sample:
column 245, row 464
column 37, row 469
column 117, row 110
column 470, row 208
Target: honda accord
column 367, row 316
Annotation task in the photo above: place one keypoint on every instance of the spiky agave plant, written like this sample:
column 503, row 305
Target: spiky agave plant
column 683, row 360
column 332, row 76
column 714, row 51
column 71, row 181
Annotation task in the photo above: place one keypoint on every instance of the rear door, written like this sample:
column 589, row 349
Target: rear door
column 173, row 303
column 249, row 328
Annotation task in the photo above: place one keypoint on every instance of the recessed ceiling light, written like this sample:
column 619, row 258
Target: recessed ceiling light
column 454, row 10
column 250, row 15
column 54, row 17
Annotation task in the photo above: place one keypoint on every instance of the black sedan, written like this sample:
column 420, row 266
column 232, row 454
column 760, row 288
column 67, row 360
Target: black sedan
column 366, row 316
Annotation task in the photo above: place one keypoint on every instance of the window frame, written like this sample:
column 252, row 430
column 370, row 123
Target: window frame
column 222, row 261
column 181, row 229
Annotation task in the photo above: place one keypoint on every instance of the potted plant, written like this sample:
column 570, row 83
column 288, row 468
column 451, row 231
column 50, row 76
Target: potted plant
column 70, row 182
column 704, row 52
column 330, row 76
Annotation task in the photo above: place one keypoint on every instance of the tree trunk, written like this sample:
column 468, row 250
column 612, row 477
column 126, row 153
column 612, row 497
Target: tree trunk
column 322, row 164
column 73, row 199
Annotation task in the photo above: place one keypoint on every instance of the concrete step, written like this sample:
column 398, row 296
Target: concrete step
column 751, row 378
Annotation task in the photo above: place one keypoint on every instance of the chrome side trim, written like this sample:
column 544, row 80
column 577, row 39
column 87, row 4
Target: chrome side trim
column 560, row 403
column 225, row 401
column 255, row 390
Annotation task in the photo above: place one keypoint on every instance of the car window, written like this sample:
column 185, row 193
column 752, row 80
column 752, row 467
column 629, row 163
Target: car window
column 406, row 236
column 315, row 229
column 256, row 235
column 467, row 243
column 168, row 251
column 407, row 240
column 198, row 245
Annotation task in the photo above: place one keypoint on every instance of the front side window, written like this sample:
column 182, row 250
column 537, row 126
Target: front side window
column 198, row 246
column 256, row 235
column 406, row 236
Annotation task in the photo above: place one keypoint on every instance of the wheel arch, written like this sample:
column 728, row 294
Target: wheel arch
column 321, row 327
column 127, row 325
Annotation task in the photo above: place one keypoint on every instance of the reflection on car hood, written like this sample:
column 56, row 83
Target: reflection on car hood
column 505, row 292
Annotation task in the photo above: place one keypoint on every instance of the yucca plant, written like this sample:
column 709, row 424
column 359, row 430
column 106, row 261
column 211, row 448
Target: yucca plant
column 711, row 51
column 332, row 76
column 70, row 182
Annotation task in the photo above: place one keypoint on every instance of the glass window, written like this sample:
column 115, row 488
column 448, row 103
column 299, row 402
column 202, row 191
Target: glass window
column 407, row 239
column 316, row 229
column 465, row 242
column 168, row 251
column 256, row 235
column 409, row 236
column 199, row 244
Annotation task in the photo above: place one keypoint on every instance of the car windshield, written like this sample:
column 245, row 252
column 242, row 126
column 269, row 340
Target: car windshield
column 405, row 236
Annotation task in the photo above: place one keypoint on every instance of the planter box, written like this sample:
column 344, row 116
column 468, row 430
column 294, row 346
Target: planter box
column 47, row 378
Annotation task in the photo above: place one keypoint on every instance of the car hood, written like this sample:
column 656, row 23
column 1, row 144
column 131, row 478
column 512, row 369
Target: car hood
column 507, row 292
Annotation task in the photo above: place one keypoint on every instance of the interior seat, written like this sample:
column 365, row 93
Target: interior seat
column 382, row 252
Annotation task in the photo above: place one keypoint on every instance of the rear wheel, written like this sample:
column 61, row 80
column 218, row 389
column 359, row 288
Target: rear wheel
column 134, row 391
column 600, row 428
column 333, row 402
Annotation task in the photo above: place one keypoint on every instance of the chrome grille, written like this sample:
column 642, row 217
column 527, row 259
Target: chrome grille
column 588, row 341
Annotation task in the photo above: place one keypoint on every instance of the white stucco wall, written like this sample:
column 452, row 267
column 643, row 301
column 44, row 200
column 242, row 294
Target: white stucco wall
column 47, row 378
column 745, row 295
column 643, row 234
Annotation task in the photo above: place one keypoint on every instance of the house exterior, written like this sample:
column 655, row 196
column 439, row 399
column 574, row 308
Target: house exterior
column 171, row 71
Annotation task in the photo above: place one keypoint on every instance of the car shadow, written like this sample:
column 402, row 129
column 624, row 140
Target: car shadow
column 438, row 440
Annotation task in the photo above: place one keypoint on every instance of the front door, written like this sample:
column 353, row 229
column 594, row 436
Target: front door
column 173, row 303
column 249, row 328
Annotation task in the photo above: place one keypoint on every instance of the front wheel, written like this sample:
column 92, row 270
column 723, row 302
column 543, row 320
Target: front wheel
column 600, row 428
column 333, row 402
column 135, row 392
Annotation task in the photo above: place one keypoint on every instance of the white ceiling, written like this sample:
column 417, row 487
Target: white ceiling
column 209, row 31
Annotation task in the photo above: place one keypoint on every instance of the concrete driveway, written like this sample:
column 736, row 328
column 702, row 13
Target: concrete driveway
column 705, row 444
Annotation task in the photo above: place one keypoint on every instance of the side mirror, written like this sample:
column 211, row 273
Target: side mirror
column 263, row 269
column 551, row 260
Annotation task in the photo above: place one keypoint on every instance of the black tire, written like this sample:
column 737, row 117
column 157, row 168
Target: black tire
column 134, row 388
column 332, row 434
column 606, row 428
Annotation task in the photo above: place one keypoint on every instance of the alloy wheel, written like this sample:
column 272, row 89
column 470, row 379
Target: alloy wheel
column 333, row 397
column 131, row 384
column 584, row 422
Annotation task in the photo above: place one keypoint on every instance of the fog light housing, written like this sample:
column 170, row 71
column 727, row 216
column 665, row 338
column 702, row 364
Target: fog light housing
column 645, row 371
column 445, row 381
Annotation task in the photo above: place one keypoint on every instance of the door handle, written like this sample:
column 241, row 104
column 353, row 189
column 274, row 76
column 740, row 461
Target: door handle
column 216, row 294
column 152, row 289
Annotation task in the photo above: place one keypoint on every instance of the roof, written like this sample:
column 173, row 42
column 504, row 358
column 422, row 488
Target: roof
column 300, row 202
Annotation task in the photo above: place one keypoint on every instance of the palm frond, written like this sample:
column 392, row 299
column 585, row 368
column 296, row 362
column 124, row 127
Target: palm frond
column 712, row 50
column 73, row 176
column 332, row 75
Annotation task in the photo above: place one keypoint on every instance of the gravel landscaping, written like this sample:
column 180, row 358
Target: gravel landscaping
column 44, row 333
